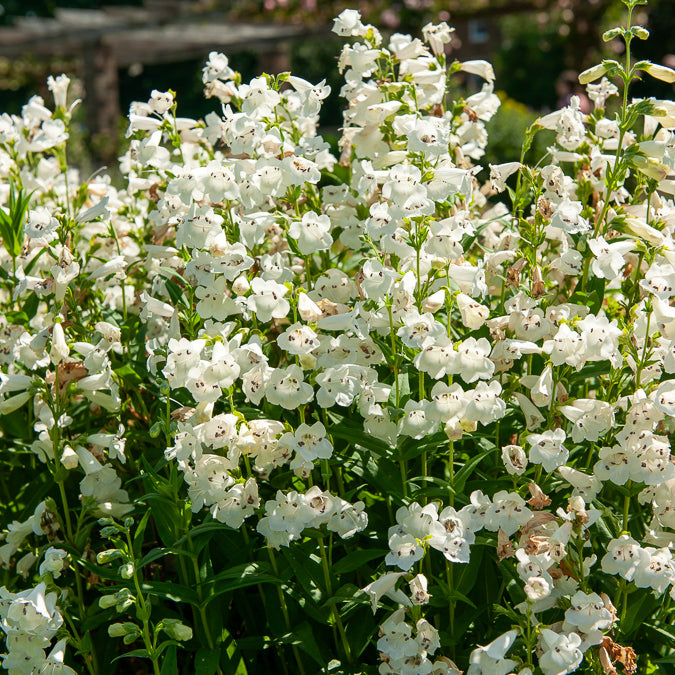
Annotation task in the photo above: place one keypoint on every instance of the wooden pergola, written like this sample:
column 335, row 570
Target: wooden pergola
column 106, row 40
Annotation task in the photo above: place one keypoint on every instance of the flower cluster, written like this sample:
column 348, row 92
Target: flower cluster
column 371, row 376
column 30, row 620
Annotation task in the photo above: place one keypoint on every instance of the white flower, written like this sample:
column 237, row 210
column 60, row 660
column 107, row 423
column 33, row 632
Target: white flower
column 561, row 652
column 566, row 346
column 182, row 357
column 405, row 551
column 419, row 330
column 664, row 398
column 474, row 315
column 437, row 359
column 59, row 351
column 616, row 464
column 491, row 659
column 478, row 67
column 40, row 223
column 537, row 588
column 657, row 571
column 59, row 88
column 548, row 450
column 348, row 23
column 542, row 390
column 601, row 339
column 588, row 613
column 472, row 362
column 499, row 173
column 591, row 418
column 448, row 401
column 386, row 585
column 484, row 404
column 298, row 339
column 309, row 442
column 312, row 233
column 515, row 460
column 348, row 519
column 378, row 281
column 238, row 503
column 418, row 590
column 584, row 485
column 287, row 388
column 396, row 640
column 508, row 512
column 32, row 612
column 54, row 562
column 437, row 35
column 267, row 300
column 567, row 217
column 209, row 480
column 418, row 420
column 609, row 258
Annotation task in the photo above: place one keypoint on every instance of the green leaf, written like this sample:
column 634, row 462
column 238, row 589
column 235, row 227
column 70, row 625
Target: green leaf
column 665, row 634
column 170, row 662
column 360, row 629
column 139, row 535
column 465, row 472
column 141, row 653
column 456, row 595
column 158, row 553
column 304, row 638
column 357, row 559
column 414, row 448
column 240, row 576
column 169, row 590
column 235, row 664
column 206, row 661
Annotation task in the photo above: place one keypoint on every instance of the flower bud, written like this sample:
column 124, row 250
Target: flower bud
column 125, row 629
column 241, row 285
column 127, row 571
column 177, row 630
column 59, row 350
column 13, row 403
column 593, row 73
column 543, row 389
column 108, row 556
column 434, row 302
column 659, row 72
column 611, row 34
column 69, row 458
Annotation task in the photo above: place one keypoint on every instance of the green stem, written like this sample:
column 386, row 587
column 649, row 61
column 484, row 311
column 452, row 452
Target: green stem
column 451, row 472
column 394, row 354
column 91, row 666
column 449, row 572
column 626, row 510
column 334, row 611
column 202, row 608
column 144, row 612
column 284, row 609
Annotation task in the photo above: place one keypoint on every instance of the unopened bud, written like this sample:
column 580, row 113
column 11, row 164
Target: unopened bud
column 107, row 556
column 127, row 571
column 125, row 629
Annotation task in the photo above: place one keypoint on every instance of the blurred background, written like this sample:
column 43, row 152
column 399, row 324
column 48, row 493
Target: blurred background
column 118, row 51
